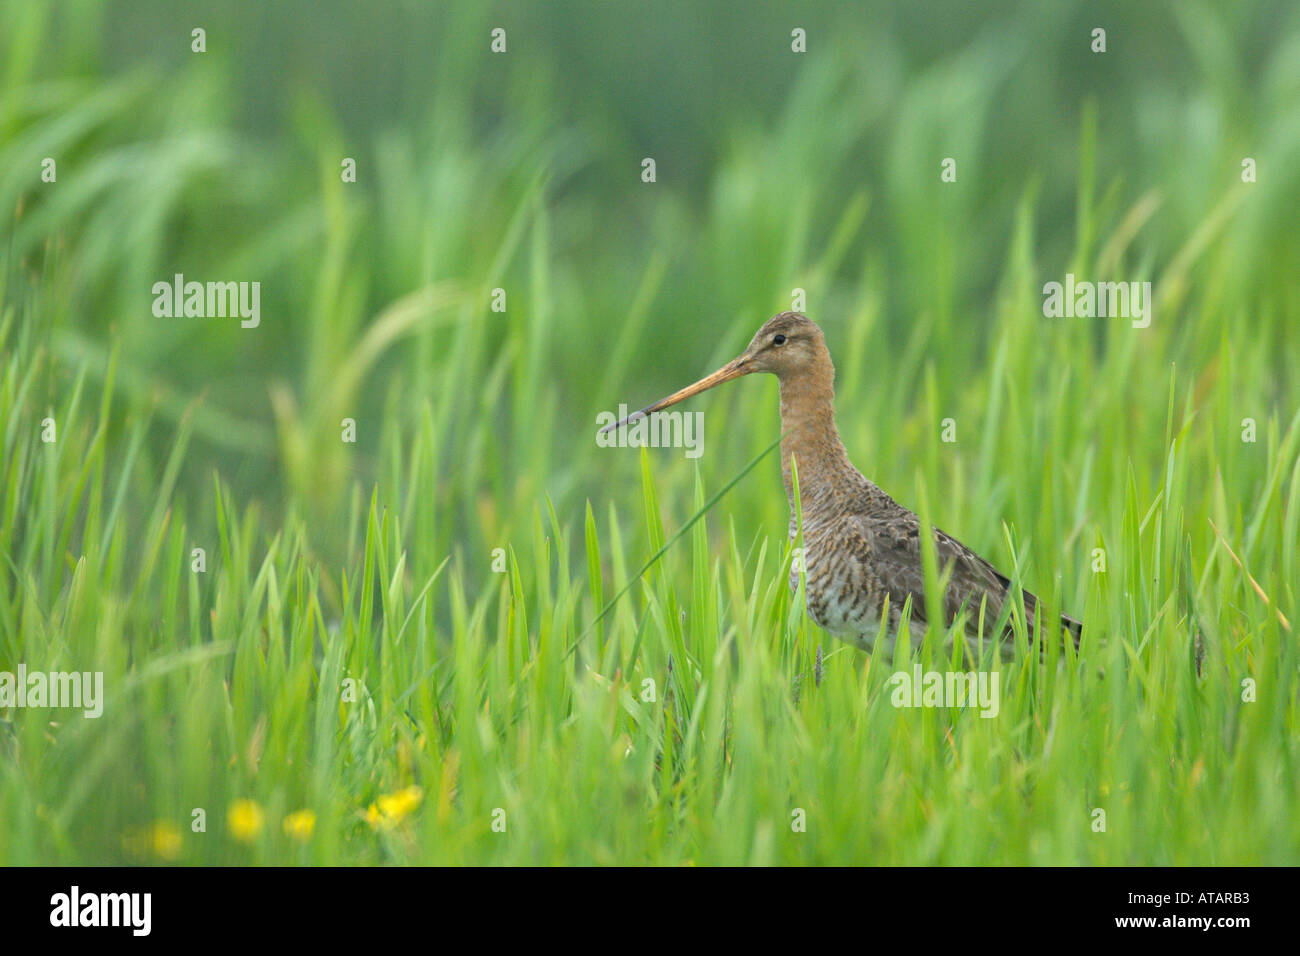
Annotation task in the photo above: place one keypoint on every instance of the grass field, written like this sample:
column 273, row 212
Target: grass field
column 391, row 651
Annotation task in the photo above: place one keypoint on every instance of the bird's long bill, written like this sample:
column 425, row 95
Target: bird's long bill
column 733, row 369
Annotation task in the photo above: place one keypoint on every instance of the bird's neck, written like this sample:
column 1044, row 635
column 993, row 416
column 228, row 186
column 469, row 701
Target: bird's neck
column 811, row 441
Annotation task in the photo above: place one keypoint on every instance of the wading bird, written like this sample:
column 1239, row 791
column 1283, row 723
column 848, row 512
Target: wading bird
column 861, row 549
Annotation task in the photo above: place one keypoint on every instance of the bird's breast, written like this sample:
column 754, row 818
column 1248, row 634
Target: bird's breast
column 838, row 591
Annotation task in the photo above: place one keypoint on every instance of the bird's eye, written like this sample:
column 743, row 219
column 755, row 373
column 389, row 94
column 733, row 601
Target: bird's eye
column 778, row 340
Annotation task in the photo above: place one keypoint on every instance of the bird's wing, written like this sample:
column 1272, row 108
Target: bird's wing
column 895, row 544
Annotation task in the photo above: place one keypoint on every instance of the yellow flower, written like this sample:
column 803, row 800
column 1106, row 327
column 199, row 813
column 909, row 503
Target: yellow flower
column 390, row 809
column 161, row 839
column 245, row 819
column 300, row 824
column 166, row 840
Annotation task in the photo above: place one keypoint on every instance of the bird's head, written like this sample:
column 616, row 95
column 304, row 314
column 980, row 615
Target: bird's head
column 788, row 345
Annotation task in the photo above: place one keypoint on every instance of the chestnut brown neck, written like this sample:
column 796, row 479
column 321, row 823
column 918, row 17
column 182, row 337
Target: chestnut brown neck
column 810, row 436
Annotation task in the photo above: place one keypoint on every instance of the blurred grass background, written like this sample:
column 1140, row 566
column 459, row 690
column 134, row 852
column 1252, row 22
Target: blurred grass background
column 522, row 171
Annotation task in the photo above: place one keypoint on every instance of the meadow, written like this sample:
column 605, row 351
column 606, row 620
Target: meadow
column 473, row 634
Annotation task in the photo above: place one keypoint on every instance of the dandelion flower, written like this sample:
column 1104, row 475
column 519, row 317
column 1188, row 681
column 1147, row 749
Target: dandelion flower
column 161, row 839
column 300, row 824
column 390, row 809
column 245, row 819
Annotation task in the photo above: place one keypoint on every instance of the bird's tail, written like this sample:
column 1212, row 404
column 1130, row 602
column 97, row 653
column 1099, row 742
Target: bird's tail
column 1074, row 628
column 1071, row 626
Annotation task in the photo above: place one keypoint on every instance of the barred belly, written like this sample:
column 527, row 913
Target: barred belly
column 839, row 598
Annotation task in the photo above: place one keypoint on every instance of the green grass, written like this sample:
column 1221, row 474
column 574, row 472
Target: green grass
column 424, row 608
